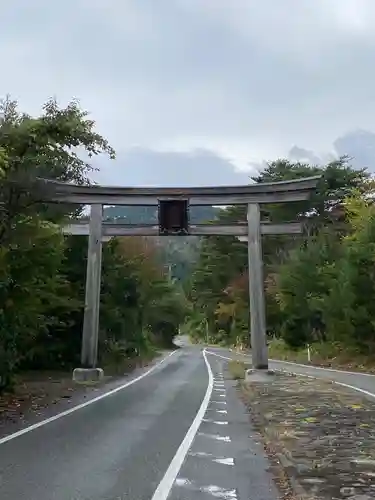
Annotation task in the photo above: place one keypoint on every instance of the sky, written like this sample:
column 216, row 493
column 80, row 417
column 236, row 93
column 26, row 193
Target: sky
column 193, row 90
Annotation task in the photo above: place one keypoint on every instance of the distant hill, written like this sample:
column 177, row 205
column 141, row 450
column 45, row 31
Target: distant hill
column 178, row 252
column 149, row 215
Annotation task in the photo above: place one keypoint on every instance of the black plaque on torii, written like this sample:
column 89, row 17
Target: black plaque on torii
column 173, row 217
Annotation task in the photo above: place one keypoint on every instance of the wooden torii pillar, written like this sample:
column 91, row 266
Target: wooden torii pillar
column 252, row 195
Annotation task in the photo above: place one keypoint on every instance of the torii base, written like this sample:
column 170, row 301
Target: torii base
column 259, row 375
column 88, row 375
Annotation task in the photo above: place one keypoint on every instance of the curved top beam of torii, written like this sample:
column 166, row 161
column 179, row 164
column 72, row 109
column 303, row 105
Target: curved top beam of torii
column 267, row 192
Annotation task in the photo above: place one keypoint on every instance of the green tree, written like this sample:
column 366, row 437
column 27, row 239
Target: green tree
column 348, row 311
column 33, row 288
column 30, row 289
column 303, row 287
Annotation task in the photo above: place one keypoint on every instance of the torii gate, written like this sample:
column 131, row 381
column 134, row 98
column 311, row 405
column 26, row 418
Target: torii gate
column 252, row 195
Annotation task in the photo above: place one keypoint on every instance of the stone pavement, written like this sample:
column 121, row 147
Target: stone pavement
column 320, row 435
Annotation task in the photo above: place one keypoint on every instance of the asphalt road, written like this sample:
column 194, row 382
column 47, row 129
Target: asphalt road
column 357, row 381
column 177, row 432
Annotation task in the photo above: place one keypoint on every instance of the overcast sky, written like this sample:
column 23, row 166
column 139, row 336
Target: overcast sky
column 242, row 80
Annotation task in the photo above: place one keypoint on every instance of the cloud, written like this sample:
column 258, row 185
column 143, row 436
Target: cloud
column 359, row 145
column 246, row 79
column 144, row 167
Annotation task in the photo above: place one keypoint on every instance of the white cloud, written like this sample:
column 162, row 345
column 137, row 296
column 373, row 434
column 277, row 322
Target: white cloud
column 247, row 79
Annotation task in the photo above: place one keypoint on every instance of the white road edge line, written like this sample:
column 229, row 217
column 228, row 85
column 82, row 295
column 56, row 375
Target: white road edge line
column 166, row 484
column 309, row 366
column 363, row 391
column 321, row 368
column 336, row 382
column 30, row 428
column 219, row 355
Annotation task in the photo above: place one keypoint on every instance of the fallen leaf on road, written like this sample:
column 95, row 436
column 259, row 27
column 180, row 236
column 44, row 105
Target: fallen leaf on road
column 309, row 419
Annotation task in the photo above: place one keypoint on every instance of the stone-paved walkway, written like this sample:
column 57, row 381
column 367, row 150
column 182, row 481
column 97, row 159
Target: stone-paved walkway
column 322, row 434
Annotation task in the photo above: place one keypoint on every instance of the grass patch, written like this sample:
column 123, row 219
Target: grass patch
column 278, row 349
column 237, row 369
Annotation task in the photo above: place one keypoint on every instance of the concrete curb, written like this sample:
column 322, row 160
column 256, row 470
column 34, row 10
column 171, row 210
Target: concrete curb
column 87, row 375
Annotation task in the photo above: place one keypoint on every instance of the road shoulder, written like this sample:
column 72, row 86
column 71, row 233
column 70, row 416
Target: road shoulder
column 319, row 434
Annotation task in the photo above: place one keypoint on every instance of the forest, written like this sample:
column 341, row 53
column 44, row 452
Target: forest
column 319, row 286
column 178, row 253
column 42, row 273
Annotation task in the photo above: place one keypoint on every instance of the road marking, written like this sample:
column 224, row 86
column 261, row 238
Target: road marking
column 218, row 460
column 215, row 409
column 221, row 395
column 368, row 393
column 217, row 422
column 200, row 454
column 219, row 402
column 82, row 405
column 182, row 481
column 227, row 439
column 218, row 355
column 218, row 389
column 302, row 365
column 213, row 490
column 166, row 484
column 336, row 382
column 353, row 387
column 320, row 368
column 224, row 461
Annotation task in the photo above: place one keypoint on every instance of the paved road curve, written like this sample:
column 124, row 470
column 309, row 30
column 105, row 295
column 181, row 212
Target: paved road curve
column 178, row 432
column 362, row 381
